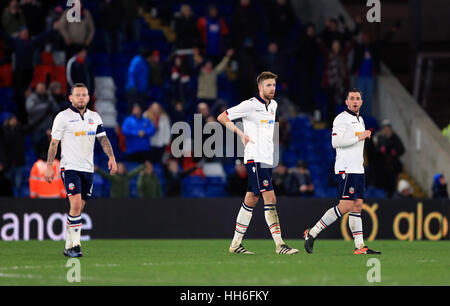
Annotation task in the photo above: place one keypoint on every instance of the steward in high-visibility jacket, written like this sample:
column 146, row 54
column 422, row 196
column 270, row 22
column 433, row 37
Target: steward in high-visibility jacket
column 39, row 188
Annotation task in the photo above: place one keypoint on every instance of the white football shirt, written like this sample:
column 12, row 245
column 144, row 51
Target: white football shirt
column 77, row 135
column 347, row 126
column 259, row 121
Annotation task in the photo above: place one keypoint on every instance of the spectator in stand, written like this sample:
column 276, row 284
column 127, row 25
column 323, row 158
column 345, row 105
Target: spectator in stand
column 213, row 30
column 307, row 52
column 161, row 138
column 130, row 16
column 6, row 189
column 299, row 181
column 39, row 188
column 207, row 79
column 178, row 112
column 335, row 78
column 277, row 61
column 35, row 15
column 281, row 18
column 13, row 19
column 120, row 181
column 24, row 48
column 12, row 140
column 148, row 183
column 185, row 27
column 237, row 181
column 279, row 179
column 57, row 94
column 331, row 31
column 156, row 76
column 137, row 131
column 78, row 71
column 248, row 64
column 389, row 148
column 112, row 22
column 245, row 23
column 77, row 34
column 404, row 190
column 174, row 177
column 439, row 187
column 179, row 79
column 41, row 109
column 138, row 80
column 366, row 65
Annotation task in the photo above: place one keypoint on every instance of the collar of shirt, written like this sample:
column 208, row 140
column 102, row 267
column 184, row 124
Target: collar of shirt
column 262, row 100
column 77, row 111
column 352, row 113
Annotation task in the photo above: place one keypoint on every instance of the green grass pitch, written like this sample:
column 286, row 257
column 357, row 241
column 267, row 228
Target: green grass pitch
column 207, row 262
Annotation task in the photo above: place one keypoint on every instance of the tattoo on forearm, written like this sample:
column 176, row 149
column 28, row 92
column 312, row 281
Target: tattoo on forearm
column 52, row 152
column 106, row 146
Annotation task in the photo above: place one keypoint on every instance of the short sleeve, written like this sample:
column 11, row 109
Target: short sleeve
column 100, row 130
column 240, row 110
column 58, row 127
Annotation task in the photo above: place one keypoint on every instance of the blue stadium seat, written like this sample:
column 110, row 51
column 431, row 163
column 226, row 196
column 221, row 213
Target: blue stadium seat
column 97, row 190
column 373, row 192
column 193, row 187
column 4, row 116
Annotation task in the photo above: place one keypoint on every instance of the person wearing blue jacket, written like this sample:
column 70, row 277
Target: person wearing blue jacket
column 439, row 187
column 138, row 80
column 137, row 131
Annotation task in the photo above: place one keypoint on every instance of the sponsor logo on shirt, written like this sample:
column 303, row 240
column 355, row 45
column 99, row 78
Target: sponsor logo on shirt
column 84, row 133
column 267, row 121
column 358, row 133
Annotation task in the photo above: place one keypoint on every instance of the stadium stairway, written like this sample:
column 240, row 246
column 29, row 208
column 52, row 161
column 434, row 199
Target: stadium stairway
column 418, row 192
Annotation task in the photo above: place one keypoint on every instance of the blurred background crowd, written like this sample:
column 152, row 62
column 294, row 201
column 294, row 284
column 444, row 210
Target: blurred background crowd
column 149, row 64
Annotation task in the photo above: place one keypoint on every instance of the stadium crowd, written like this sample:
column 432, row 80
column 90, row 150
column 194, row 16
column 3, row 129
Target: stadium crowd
column 149, row 64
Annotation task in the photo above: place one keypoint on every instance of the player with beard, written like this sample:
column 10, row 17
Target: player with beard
column 77, row 128
column 348, row 137
column 258, row 118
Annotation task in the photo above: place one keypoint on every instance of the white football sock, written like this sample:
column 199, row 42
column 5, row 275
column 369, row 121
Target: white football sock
column 328, row 218
column 355, row 223
column 270, row 212
column 68, row 235
column 75, row 229
column 242, row 222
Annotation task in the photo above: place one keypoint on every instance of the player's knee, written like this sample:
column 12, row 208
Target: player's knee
column 272, row 199
column 251, row 201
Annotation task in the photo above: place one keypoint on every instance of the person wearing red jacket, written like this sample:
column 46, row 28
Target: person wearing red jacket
column 213, row 29
column 39, row 188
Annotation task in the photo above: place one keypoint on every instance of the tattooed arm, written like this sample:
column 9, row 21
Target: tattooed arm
column 107, row 148
column 48, row 176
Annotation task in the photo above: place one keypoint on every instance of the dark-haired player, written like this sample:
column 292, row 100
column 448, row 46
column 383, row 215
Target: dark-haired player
column 348, row 137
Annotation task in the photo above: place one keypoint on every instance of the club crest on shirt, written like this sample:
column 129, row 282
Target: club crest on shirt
column 351, row 190
column 272, row 112
column 91, row 121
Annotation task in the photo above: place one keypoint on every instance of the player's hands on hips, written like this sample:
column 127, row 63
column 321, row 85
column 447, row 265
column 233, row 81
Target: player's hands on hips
column 364, row 135
column 112, row 166
column 48, row 176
